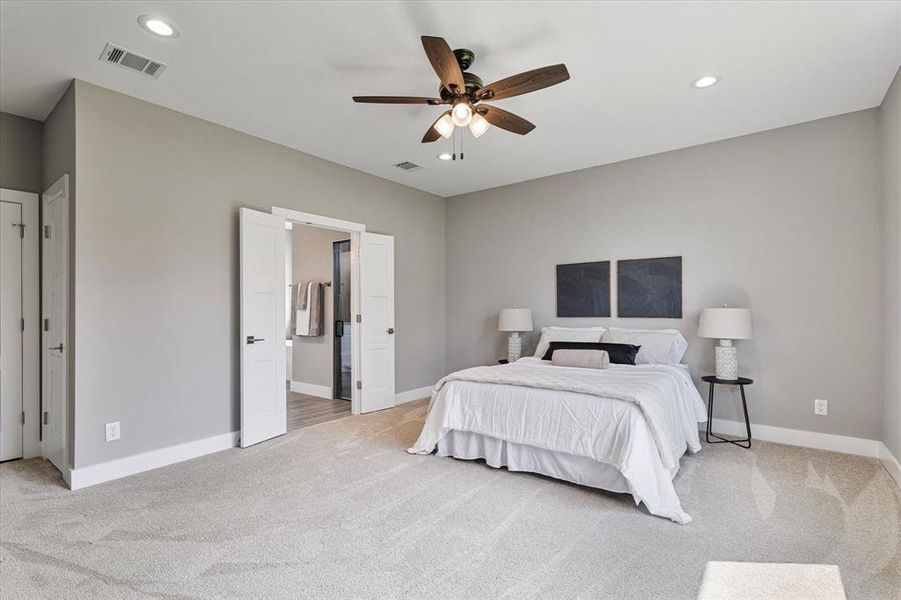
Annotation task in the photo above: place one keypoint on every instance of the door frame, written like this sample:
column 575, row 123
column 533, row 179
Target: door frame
column 31, row 313
column 354, row 230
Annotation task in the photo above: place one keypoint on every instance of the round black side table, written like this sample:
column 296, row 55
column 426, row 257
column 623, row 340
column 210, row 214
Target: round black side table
column 741, row 382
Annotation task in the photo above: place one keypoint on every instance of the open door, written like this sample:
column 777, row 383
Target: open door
column 376, row 381
column 262, row 330
column 55, row 305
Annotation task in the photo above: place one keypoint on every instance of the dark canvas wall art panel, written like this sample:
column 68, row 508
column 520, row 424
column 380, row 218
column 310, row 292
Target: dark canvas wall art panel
column 583, row 289
column 650, row 287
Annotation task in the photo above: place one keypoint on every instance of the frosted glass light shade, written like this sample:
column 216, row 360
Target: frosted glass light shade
column 515, row 319
column 478, row 125
column 461, row 114
column 725, row 323
column 445, row 125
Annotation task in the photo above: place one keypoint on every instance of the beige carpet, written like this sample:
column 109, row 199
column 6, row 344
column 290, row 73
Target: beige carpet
column 340, row 510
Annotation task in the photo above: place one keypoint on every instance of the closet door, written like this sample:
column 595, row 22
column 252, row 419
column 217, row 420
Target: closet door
column 11, row 407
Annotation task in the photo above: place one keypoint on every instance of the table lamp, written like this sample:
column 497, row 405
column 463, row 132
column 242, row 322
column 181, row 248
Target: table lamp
column 726, row 324
column 514, row 320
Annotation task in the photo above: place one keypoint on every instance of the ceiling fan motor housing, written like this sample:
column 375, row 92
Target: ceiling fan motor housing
column 465, row 57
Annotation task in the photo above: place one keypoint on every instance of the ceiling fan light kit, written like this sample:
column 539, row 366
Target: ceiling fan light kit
column 466, row 94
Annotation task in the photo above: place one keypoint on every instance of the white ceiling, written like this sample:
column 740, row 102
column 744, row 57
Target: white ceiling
column 286, row 71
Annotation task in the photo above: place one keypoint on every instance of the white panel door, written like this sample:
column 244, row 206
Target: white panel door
column 55, row 292
column 262, row 341
column 377, row 327
column 11, row 334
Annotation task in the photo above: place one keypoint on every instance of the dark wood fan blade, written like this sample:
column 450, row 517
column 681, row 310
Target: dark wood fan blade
column 444, row 62
column 524, row 83
column 505, row 120
column 397, row 100
column 432, row 134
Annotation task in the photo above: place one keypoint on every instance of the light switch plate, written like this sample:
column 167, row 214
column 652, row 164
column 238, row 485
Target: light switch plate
column 113, row 432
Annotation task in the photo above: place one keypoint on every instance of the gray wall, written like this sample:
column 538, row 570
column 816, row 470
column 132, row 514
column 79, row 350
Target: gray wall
column 20, row 153
column 59, row 159
column 890, row 128
column 785, row 222
column 156, row 266
column 312, row 356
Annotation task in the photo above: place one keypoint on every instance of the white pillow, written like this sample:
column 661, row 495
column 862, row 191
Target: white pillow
column 658, row 346
column 567, row 334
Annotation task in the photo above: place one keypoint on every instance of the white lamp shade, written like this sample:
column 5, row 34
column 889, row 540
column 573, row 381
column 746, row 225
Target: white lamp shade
column 478, row 125
column 515, row 319
column 445, row 125
column 725, row 323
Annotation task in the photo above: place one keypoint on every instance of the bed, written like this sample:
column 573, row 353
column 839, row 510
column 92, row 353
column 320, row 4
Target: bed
column 622, row 429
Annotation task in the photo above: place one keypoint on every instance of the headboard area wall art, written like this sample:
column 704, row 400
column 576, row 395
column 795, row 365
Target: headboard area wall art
column 650, row 287
column 583, row 289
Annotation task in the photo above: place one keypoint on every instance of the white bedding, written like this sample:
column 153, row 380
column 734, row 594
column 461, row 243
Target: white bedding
column 644, row 419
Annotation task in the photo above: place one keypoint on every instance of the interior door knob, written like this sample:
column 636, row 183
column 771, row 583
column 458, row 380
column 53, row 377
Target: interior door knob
column 253, row 340
column 391, row 331
column 57, row 348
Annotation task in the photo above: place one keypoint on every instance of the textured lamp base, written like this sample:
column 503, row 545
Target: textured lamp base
column 514, row 347
column 726, row 360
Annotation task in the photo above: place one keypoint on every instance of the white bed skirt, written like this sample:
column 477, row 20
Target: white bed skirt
column 519, row 457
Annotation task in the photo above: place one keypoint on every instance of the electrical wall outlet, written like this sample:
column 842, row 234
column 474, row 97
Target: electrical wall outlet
column 113, row 432
column 820, row 407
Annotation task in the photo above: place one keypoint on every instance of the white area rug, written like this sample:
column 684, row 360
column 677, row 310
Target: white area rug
column 771, row 581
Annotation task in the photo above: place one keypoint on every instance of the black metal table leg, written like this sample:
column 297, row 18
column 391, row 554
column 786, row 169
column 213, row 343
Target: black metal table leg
column 744, row 406
column 740, row 382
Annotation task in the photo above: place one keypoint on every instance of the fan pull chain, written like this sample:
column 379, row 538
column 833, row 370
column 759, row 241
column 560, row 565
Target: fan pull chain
column 461, row 144
column 454, row 142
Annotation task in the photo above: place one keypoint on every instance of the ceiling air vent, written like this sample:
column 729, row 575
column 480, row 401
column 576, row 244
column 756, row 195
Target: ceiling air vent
column 407, row 166
column 133, row 61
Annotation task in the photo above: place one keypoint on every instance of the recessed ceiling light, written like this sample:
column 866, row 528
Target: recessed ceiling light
column 444, row 156
column 158, row 26
column 704, row 81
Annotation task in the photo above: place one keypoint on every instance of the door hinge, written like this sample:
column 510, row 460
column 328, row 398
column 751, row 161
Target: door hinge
column 359, row 318
column 23, row 417
column 22, row 323
column 46, row 324
column 359, row 385
column 46, row 417
column 47, row 231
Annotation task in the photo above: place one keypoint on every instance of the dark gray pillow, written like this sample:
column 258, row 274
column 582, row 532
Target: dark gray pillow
column 620, row 354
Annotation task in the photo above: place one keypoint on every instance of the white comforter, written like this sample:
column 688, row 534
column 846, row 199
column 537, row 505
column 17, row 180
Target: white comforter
column 638, row 419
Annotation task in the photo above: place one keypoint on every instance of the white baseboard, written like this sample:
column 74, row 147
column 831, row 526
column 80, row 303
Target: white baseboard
column 311, row 389
column 92, row 475
column 891, row 464
column 799, row 437
column 411, row 395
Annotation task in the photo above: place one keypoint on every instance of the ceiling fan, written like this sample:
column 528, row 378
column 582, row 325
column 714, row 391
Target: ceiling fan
column 466, row 94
